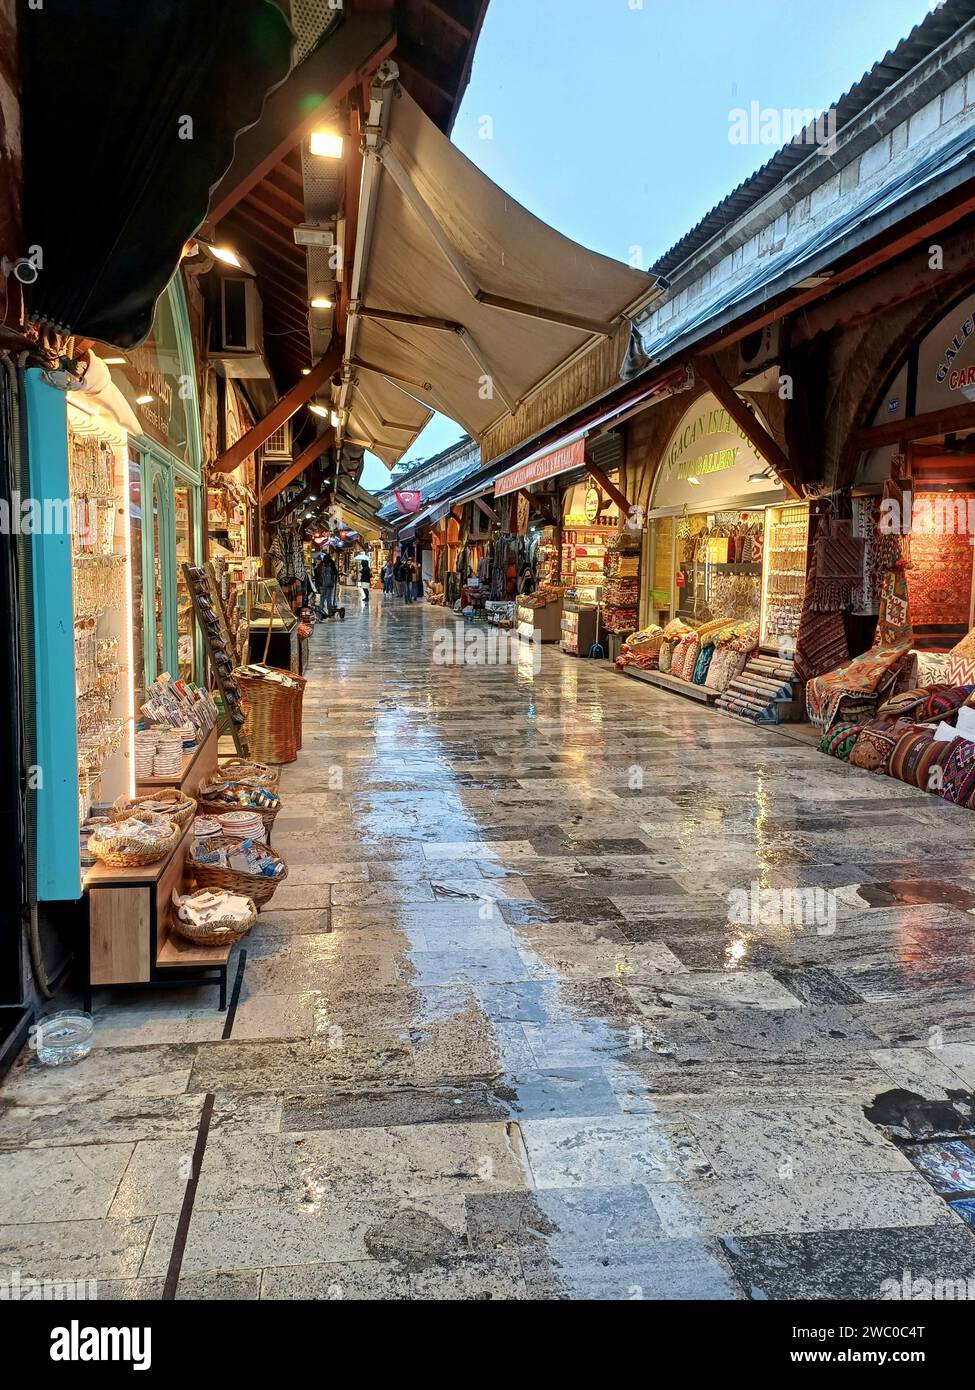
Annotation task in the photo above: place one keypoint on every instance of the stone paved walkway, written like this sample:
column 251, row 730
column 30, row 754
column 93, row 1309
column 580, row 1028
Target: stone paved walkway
column 497, row 1036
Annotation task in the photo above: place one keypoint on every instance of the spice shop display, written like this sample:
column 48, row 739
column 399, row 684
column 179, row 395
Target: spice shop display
column 540, row 614
column 621, row 584
column 583, row 554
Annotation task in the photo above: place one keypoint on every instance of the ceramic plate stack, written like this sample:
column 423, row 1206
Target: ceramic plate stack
column 169, row 755
column 145, row 753
column 205, row 826
column 245, row 825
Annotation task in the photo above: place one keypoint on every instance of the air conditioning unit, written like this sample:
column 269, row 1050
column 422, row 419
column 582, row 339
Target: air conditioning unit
column 239, row 324
column 758, row 350
column 278, row 444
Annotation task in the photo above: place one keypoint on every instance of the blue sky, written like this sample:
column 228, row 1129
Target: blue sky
column 610, row 118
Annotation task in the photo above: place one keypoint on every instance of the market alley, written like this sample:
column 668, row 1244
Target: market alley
column 504, row 1031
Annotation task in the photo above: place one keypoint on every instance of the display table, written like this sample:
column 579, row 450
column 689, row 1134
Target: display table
column 675, row 683
column 545, row 620
column 198, row 765
column 130, row 936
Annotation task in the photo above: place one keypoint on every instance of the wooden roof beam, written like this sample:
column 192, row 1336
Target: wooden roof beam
column 299, row 394
column 294, row 470
column 755, row 432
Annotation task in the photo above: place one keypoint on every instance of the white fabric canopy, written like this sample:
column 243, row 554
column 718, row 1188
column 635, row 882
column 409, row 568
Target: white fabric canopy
column 444, row 233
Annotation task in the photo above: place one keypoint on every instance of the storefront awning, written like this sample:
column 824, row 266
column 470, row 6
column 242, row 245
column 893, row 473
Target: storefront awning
column 130, row 114
column 569, row 453
column 463, row 301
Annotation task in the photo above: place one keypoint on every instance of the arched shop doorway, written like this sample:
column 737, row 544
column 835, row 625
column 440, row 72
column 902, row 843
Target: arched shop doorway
column 165, row 493
column 724, row 540
column 935, row 476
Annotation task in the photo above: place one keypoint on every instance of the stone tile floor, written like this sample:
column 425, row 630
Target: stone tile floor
column 536, row 1015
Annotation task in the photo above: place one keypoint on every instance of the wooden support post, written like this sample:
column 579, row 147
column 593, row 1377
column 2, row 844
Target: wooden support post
column 763, row 443
column 488, row 511
column 294, row 470
column 609, row 487
column 299, row 395
column 314, row 482
column 901, row 432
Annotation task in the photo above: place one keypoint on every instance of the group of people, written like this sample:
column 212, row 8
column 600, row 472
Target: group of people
column 402, row 578
column 326, row 582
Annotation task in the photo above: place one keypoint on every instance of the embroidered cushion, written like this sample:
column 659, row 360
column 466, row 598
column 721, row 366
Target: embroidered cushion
column 666, row 656
column 917, row 759
column 840, row 741
column 958, row 773
column 961, row 670
column 873, row 748
column 702, row 664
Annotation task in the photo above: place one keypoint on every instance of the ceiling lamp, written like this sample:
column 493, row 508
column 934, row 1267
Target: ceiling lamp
column 321, row 301
column 327, row 144
column 317, row 409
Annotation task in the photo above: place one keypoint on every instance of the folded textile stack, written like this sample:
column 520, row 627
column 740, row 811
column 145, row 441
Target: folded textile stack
column 641, row 649
column 755, row 692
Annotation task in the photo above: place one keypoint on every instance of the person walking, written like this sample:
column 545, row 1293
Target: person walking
column 386, row 575
column 409, row 579
column 417, row 579
column 399, row 576
column 326, row 578
column 365, row 578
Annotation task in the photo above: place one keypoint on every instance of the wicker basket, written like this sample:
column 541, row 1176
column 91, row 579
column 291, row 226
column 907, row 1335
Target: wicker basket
column 208, row 807
column 222, row 931
column 255, row 886
column 273, row 715
column 237, row 770
column 181, row 811
column 134, row 853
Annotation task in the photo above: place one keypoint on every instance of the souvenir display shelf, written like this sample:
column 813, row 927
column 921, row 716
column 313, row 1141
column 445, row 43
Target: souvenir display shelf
column 578, row 627
column 786, row 539
column 130, row 940
column 100, row 579
column 220, row 650
column 583, row 554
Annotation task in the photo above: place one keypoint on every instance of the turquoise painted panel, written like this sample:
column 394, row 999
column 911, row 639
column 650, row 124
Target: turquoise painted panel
column 58, row 854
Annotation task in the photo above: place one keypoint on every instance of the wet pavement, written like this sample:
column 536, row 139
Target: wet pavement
column 537, row 1014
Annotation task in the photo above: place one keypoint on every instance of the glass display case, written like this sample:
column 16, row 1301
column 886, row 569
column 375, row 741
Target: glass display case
column 272, row 625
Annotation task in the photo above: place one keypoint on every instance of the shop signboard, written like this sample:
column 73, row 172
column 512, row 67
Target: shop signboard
column 559, row 460
column 946, row 361
column 708, row 458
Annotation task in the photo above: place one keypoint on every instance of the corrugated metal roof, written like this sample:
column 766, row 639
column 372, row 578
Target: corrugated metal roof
column 939, row 26
column 927, row 177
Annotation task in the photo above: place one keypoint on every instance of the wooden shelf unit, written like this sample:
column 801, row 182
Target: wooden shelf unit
column 198, row 765
column 130, row 935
